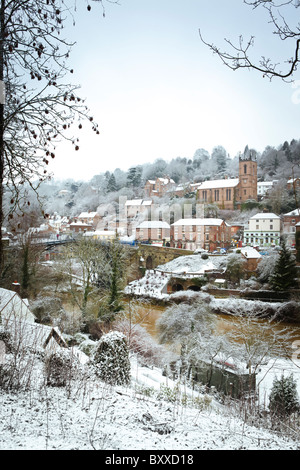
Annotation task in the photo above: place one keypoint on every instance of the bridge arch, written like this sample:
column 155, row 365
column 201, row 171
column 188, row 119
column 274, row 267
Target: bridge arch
column 194, row 288
column 177, row 287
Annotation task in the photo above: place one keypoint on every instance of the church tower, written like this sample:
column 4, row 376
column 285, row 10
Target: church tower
column 247, row 188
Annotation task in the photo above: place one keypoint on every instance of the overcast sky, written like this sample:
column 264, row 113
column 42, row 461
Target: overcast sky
column 157, row 91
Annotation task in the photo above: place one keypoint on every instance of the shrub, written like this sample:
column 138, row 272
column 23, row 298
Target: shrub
column 111, row 359
column 58, row 368
column 283, row 399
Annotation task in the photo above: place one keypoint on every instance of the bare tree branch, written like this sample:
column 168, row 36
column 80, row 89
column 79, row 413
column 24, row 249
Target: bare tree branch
column 238, row 56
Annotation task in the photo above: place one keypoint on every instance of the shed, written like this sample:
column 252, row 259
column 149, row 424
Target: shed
column 17, row 320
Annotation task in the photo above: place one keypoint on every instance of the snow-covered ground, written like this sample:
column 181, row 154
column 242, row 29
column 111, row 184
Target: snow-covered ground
column 94, row 415
column 154, row 282
column 194, row 265
column 152, row 285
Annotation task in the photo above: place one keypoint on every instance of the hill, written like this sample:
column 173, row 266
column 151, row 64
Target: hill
column 153, row 413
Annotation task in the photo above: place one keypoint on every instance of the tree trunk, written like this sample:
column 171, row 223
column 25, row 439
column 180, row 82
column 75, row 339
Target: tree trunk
column 2, row 35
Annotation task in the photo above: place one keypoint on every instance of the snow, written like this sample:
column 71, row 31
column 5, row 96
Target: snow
column 152, row 413
column 93, row 415
column 154, row 283
column 154, row 224
column 250, row 253
column 265, row 215
column 224, row 183
column 199, row 221
column 151, row 285
column 193, row 264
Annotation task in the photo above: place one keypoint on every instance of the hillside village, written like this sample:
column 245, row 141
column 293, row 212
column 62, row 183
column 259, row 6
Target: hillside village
column 149, row 288
column 192, row 229
column 207, row 215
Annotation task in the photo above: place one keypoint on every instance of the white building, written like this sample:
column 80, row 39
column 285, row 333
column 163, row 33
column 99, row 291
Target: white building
column 263, row 230
column 263, row 187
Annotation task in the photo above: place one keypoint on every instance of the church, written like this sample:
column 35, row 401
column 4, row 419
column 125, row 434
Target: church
column 230, row 193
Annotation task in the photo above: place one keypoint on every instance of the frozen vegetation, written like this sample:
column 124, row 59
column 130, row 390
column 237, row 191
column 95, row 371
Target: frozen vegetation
column 151, row 413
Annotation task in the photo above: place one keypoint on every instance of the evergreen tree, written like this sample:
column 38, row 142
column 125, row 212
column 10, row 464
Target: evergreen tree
column 111, row 359
column 111, row 184
column 285, row 272
column 134, row 176
column 117, row 274
column 283, row 399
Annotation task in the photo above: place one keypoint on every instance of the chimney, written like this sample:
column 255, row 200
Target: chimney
column 16, row 287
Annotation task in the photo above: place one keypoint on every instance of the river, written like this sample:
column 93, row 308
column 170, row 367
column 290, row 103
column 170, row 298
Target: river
column 147, row 314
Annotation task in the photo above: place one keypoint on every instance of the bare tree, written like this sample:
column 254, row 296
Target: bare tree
column 40, row 103
column 239, row 55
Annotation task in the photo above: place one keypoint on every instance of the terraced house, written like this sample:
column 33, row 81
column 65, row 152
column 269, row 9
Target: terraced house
column 207, row 233
column 263, row 230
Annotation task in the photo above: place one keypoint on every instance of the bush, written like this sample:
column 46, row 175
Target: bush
column 283, row 399
column 58, row 368
column 111, row 359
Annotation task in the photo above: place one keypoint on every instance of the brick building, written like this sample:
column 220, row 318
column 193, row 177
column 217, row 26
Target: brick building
column 159, row 187
column 154, row 231
column 289, row 222
column 230, row 193
column 207, row 233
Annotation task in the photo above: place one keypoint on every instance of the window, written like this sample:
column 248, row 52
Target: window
column 204, row 195
column 245, row 169
column 217, row 195
column 228, row 194
column 271, row 227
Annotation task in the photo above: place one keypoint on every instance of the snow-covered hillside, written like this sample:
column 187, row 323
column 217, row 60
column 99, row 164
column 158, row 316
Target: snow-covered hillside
column 146, row 415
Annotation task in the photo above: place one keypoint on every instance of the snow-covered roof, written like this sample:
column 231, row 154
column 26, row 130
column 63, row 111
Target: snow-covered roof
column 35, row 336
column 216, row 184
column 153, row 224
column 166, row 180
column 265, row 183
column 295, row 212
column 19, row 321
column 81, row 224
column 138, row 202
column 134, row 202
column 88, row 215
column 193, row 265
column 250, row 253
column 204, row 221
column 265, row 215
column 13, row 306
column 146, row 203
